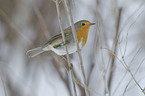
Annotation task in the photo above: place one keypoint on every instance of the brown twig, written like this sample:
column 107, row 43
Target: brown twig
column 117, row 87
column 47, row 35
column 135, row 80
column 70, row 18
column 126, row 67
column 5, row 16
column 41, row 20
column 115, row 49
column 3, row 84
column 63, row 35
column 66, row 81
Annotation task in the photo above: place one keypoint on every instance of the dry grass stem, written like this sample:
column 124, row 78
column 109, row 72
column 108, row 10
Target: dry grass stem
column 62, row 32
column 132, row 79
column 114, row 48
column 126, row 67
column 3, row 84
column 70, row 18
column 4, row 15
column 41, row 19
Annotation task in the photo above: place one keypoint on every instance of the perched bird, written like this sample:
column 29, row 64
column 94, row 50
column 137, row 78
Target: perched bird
column 57, row 45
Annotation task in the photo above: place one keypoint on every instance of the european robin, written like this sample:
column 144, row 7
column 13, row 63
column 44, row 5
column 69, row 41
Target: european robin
column 56, row 42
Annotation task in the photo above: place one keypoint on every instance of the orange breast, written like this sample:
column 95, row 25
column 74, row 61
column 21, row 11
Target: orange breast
column 82, row 34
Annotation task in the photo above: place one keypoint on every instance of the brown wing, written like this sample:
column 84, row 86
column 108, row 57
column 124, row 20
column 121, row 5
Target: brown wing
column 57, row 39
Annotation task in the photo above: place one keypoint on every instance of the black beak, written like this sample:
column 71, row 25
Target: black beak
column 92, row 23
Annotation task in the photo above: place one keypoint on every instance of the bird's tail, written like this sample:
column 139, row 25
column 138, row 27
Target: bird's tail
column 34, row 52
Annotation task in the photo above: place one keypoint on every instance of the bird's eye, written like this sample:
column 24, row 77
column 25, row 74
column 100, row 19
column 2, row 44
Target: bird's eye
column 83, row 24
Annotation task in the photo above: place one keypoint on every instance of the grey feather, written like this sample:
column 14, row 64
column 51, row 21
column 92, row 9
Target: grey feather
column 34, row 52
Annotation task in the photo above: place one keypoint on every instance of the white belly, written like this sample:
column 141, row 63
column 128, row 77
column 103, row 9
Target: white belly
column 70, row 47
column 62, row 51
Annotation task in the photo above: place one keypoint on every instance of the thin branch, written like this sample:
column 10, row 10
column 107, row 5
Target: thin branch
column 47, row 35
column 104, row 74
column 135, row 85
column 132, row 79
column 70, row 18
column 66, row 81
column 127, row 68
column 115, row 49
column 41, row 20
column 125, row 52
column 90, row 72
column 128, row 31
column 117, row 87
column 74, row 87
column 116, row 57
column 132, row 75
column 62, row 32
column 3, row 84
column 121, row 81
column 63, row 35
column 97, row 93
column 5, row 16
column 130, row 17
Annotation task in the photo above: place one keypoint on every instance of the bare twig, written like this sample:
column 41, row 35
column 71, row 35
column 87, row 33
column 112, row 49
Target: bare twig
column 78, row 82
column 132, row 75
column 127, row 68
column 41, row 20
column 123, row 55
column 135, row 84
column 70, row 18
column 99, row 30
column 3, row 84
column 130, row 17
column 132, row 60
column 135, row 80
column 66, row 81
column 63, row 35
column 128, row 31
column 5, row 16
column 104, row 74
column 115, row 49
column 47, row 35
column 117, row 87
column 97, row 93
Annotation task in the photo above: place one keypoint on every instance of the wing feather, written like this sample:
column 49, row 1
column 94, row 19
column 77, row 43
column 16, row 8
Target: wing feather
column 57, row 39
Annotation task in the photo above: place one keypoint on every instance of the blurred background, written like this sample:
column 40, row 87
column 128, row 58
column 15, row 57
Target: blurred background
column 118, row 38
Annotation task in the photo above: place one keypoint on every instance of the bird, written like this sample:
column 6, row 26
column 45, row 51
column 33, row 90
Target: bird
column 57, row 45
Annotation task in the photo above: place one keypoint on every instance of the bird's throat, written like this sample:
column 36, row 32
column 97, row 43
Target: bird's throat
column 82, row 35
